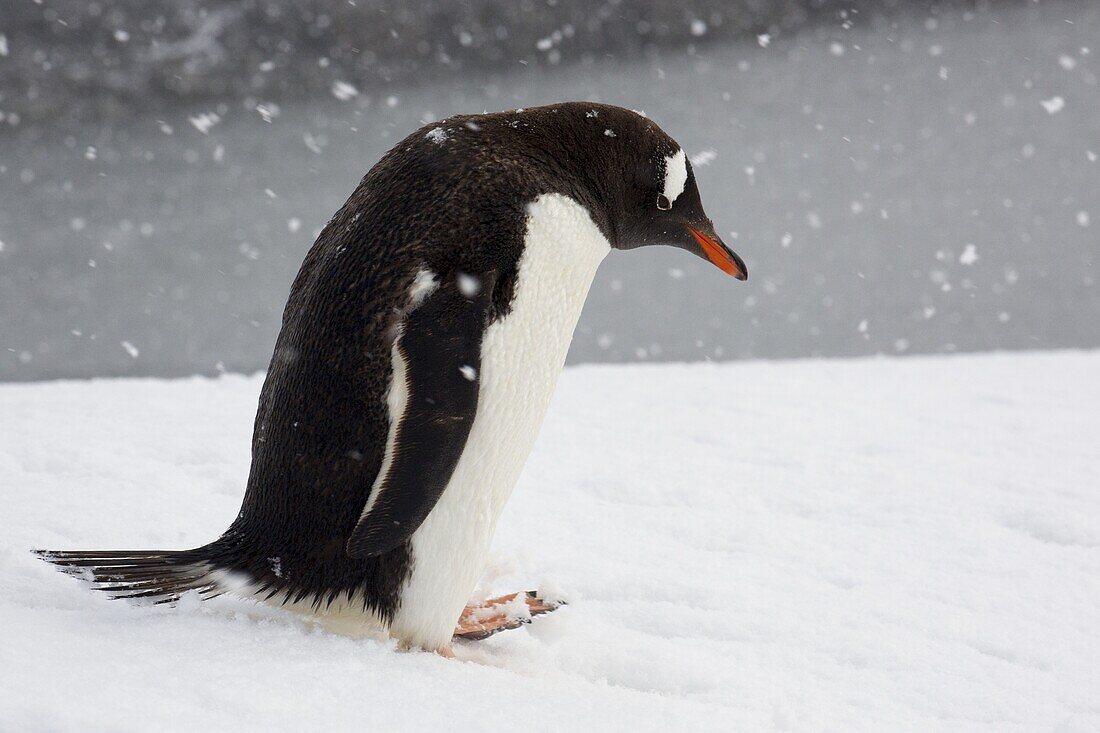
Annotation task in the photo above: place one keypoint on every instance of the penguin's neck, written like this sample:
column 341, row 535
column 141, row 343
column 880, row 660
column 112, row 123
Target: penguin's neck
column 523, row 352
column 563, row 247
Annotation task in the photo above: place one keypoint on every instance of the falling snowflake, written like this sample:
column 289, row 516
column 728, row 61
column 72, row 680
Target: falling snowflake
column 468, row 285
column 703, row 157
column 1054, row 105
column 343, row 91
column 268, row 111
column 204, row 121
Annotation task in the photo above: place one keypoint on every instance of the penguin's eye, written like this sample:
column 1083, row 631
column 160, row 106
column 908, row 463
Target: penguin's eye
column 663, row 203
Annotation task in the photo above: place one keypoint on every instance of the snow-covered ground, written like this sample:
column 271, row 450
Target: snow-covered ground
column 818, row 545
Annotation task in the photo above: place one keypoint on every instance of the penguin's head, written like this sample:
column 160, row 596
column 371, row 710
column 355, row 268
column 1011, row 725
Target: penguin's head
column 659, row 202
column 634, row 179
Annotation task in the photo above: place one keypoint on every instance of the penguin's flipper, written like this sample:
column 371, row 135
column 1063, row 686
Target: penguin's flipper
column 438, row 357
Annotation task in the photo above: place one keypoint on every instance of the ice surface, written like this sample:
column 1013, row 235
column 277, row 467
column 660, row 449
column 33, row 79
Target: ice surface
column 817, row 545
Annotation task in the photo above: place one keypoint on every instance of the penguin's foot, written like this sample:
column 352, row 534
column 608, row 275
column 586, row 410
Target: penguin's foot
column 498, row 614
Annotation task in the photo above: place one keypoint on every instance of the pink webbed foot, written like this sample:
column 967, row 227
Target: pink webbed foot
column 499, row 614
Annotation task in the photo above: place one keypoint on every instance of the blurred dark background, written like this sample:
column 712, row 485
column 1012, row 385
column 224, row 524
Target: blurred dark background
column 900, row 177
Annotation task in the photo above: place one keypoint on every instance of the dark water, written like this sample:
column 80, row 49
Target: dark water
column 896, row 190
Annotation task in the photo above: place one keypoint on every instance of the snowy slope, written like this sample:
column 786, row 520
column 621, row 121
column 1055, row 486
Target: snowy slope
column 847, row 545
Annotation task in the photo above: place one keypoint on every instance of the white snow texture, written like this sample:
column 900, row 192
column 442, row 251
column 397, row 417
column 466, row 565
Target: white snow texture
column 813, row 545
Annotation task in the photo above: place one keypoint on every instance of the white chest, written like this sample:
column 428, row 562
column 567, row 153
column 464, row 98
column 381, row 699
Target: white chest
column 521, row 358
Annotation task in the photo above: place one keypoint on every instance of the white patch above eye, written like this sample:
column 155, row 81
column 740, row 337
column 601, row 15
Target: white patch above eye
column 676, row 175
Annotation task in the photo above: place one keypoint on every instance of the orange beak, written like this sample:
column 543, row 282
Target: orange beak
column 721, row 255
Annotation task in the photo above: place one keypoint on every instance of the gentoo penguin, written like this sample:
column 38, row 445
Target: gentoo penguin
column 419, row 349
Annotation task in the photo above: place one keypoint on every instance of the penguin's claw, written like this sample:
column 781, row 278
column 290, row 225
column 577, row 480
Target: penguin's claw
column 499, row 614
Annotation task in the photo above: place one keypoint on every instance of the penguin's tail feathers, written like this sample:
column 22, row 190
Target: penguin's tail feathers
column 157, row 576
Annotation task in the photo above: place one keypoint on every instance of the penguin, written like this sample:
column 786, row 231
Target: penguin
column 419, row 349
